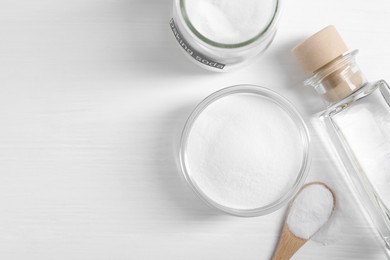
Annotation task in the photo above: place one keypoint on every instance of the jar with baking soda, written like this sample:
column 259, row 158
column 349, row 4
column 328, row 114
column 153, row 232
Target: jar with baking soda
column 222, row 35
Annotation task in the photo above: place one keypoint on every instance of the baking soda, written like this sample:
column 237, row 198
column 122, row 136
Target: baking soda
column 310, row 210
column 229, row 21
column 244, row 151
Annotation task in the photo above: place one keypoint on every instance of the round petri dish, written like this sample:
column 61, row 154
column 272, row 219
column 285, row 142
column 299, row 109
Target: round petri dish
column 245, row 150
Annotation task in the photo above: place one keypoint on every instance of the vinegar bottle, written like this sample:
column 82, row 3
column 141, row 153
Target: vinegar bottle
column 357, row 119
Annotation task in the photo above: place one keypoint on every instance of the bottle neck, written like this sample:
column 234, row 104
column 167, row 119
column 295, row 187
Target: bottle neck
column 337, row 79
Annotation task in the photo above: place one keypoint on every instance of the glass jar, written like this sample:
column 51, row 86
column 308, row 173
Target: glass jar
column 215, row 53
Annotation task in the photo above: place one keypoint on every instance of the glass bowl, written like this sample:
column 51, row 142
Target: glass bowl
column 297, row 121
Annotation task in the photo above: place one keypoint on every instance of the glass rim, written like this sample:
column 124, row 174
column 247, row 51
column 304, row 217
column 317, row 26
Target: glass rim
column 329, row 68
column 295, row 117
column 268, row 29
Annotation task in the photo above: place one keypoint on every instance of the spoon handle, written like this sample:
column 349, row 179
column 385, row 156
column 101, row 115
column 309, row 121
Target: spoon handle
column 288, row 245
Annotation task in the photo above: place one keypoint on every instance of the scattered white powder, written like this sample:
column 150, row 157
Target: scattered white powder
column 244, row 151
column 310, row 210
column 230, row 21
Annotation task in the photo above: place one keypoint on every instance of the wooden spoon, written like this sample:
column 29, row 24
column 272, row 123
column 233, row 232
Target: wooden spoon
column 289, row 243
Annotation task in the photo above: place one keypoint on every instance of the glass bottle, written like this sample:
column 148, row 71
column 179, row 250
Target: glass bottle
column 357, row 120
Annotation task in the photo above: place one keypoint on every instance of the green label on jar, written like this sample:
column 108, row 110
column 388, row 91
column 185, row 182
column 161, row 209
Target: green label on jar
column 191, row 51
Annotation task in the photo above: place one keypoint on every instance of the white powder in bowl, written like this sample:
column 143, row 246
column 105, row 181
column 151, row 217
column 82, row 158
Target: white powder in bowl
column 310, row 210
column 230, row 21
column 244, row 151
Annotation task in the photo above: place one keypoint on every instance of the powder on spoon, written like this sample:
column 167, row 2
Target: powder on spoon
column 244, row 151
column 310, row 210
column 230, row 22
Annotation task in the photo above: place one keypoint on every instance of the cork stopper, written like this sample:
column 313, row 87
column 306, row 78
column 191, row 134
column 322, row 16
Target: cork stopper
column 320, row 49
column 335, row 74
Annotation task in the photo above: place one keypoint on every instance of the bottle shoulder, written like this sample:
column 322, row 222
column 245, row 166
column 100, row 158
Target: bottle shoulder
column 380, row 87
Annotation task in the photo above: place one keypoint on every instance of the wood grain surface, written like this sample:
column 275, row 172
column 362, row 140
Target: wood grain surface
column 93, row 96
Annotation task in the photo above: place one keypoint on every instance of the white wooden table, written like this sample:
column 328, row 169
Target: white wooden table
column 93, row 96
